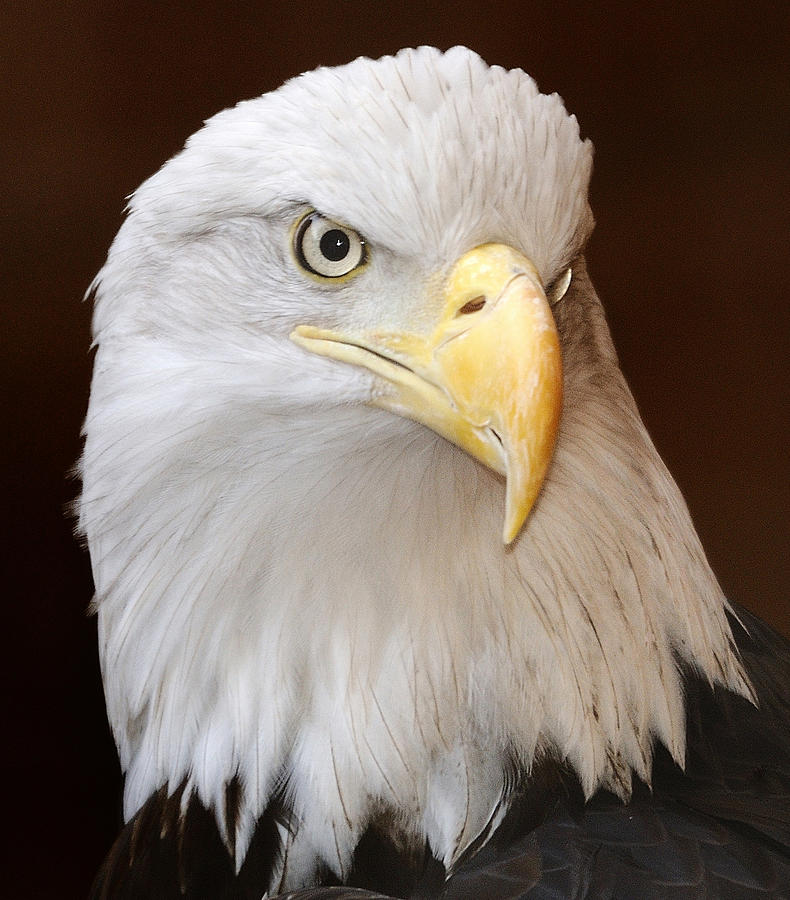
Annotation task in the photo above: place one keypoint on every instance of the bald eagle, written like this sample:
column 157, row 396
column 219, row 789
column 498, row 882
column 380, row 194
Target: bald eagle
column 393, row 589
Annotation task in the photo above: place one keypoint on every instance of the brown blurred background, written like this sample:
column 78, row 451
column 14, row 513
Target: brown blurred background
column 688, row 109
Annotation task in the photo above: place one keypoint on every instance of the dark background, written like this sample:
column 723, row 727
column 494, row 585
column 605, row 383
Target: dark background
column 688, row 109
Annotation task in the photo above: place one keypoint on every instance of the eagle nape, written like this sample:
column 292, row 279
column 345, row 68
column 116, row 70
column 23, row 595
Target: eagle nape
column 341, row 337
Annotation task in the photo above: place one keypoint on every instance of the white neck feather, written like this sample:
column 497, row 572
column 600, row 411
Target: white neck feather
column 338, row 617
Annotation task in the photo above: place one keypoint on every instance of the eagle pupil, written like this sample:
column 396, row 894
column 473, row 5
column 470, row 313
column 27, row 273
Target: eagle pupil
column 335, row 245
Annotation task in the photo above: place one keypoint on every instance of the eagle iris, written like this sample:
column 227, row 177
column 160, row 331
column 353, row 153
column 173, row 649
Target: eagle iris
column 327, row 249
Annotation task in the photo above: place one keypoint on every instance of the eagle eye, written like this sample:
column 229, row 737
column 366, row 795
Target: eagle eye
column 560, row 287
column 327, row 249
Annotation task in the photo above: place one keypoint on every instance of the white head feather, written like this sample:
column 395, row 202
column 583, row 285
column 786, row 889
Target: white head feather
column 299, row 591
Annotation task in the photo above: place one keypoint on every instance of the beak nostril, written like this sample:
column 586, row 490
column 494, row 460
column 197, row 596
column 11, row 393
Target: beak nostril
column 472, row 306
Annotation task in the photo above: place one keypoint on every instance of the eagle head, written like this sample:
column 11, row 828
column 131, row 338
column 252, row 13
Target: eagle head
column 342, row 337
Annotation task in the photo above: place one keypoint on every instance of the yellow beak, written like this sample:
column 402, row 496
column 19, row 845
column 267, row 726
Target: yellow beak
column 488, row 377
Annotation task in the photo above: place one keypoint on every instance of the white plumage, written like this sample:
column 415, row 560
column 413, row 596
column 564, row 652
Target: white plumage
column 309, row 594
